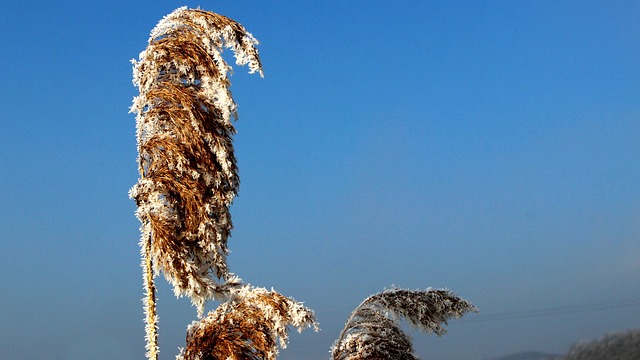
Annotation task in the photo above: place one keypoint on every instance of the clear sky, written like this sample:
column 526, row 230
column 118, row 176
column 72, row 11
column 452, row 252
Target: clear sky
column 488, row 147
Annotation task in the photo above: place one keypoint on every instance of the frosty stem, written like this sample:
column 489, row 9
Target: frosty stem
column 151, row 319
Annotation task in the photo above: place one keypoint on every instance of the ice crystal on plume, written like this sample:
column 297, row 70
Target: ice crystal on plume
column 372, row 330
column 249, row 326
column 188, row 174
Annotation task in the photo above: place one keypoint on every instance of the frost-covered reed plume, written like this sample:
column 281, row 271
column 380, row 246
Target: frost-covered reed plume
column 372, row 330
column 249, row 326
column 188, row 173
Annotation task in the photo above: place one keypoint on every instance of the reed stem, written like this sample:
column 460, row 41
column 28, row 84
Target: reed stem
column 151, row 320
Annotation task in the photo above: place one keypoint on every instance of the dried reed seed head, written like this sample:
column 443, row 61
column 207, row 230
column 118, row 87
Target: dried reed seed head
column 372, row 330
column 188, row 173
column 426, row 310
column 250, row 325
column 383, row 339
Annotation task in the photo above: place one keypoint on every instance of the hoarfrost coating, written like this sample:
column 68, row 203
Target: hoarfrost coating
column 250, row 325
column 372, row 330
column 188, row 173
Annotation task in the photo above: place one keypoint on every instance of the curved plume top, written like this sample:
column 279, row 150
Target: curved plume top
column 372, row 330
column 248, row 326
column 188, row 174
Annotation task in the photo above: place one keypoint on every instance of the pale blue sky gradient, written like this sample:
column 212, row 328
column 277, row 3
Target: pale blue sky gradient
column 488, row 147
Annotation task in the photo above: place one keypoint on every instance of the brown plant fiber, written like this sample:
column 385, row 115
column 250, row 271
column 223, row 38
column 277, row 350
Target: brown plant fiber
column 188, row 173
column 250, row 326
column 372, row 331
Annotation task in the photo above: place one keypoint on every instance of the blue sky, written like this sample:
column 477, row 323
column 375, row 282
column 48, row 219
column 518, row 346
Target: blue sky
column 487, row 147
